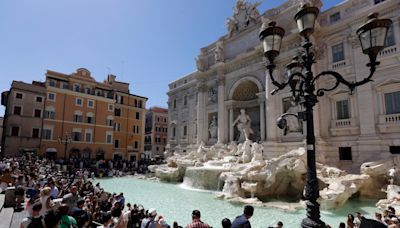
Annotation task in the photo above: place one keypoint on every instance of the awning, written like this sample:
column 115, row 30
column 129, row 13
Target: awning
column 51, row 150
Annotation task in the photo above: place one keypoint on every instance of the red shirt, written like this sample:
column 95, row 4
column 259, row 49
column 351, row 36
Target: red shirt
column 197, row 223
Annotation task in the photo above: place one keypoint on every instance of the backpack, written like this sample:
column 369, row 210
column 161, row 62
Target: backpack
column 36, row 222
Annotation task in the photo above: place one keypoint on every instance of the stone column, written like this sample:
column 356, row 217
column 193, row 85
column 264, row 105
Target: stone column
column 270, row 110
column 201, row 108
column 230, row 124
column 221, row 108
column 261, row 97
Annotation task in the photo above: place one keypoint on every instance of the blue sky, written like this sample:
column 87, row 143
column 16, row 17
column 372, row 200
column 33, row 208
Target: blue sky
column 147, row 43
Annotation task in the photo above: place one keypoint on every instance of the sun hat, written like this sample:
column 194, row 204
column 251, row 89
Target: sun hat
column 152, row 212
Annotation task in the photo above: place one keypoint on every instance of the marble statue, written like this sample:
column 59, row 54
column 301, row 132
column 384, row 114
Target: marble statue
column 219, row 52
column 243, row 124
column 231, row 24
column 233, row 148
column 244, row 14
column 212, row 95
column 253, row 12
column 293, row 123
column 256, row 151
column 213, row 128
column 247, row 149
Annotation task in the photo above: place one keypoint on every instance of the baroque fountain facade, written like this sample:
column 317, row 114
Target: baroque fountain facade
column 222, row 133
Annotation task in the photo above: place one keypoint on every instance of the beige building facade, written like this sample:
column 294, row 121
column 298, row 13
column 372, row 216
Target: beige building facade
column 230, row 76
column 22, row 123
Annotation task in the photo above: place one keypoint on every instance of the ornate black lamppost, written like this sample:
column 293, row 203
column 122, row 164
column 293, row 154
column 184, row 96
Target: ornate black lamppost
column 302, row 83
column 65, row 140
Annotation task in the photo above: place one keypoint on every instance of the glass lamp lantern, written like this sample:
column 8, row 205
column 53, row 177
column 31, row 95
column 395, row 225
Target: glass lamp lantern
column 271, row 38
column 373, row 34
column 305, row 20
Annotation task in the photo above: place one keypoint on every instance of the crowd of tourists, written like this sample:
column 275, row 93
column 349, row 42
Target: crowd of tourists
column 69, row 198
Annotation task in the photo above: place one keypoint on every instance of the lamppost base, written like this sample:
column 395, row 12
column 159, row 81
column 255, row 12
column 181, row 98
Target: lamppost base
column 308, row 223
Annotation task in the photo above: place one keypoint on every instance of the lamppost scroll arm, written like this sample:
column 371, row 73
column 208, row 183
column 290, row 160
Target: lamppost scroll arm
column 341, row 80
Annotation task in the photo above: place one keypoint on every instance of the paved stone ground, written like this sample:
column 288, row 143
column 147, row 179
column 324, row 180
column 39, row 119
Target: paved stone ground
column 17, row 218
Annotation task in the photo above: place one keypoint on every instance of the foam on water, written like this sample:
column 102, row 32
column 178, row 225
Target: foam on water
column 176, row 202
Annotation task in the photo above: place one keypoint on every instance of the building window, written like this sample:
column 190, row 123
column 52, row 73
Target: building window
column 173, row 132
column 49, row 114
column 90, row 103
column 46, row 133
column 392, row 102
column 51, row 96
column 185, row 100
column 119, row 99
column 334, row 17
column 52, row 83
column 76, row 136
column 136, row 144
column 390, row 41
column 342, row 109
column 64, row 85
column 35, row 133
column 77, row 87
column 19, row 95
column 90, row 119
column 140, row 104
column 137, row 115
column 110, row 107
column 117, row 112
column 14, row 131
column 39, row 99
column 338, row 52
column 78, row 118
column 174, row 103
column 17, row 110
column 157, row 148
column 78, row 102
column 116, row 143
column 117, row 127
column 378, row 1
column 109, row 122
column 38, row 113
column 394, row 149
column 88, row 136
column 88, row 90
column 109, row 137
column 345, row 153
column 165, row 140
column 184, row 130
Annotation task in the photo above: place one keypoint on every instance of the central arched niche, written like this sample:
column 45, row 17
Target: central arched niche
column 244, row 96
column 245, row 91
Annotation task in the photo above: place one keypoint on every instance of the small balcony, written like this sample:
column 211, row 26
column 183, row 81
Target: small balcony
column 344, row 127
column 389, row 123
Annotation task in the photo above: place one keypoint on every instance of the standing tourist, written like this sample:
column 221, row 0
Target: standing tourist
column 242, row 221
column 36, row 220
column 150, row 222
column 196, row 222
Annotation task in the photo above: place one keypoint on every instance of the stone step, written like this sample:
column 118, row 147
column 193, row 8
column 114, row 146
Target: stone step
column 2, row 197
column 6, row 215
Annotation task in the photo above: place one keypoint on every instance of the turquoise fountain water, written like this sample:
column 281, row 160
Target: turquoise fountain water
column 176, row 204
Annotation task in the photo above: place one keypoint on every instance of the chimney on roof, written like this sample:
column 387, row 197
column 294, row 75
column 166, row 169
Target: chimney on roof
column 111, row 78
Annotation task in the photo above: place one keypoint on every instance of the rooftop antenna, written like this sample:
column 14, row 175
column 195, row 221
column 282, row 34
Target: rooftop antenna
column 122, row 71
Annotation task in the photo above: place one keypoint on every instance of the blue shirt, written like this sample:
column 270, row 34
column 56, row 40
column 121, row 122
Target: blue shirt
column 241, row 222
